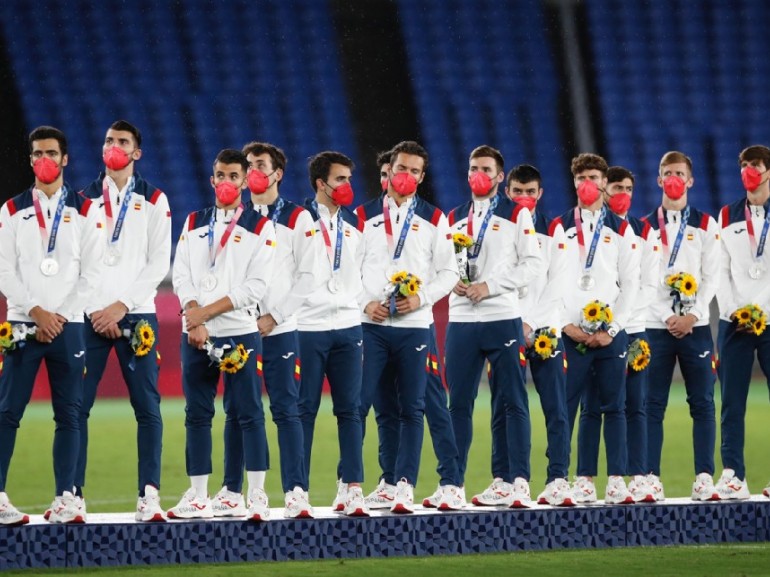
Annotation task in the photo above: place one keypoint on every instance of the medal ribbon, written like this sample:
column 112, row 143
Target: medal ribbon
column 588, row 261
column 757, row 250
column 213, row 254
column 389, row 228
column 336, row 257
column 49, row 240
column 679, row 235
column 116, row 227
column 277, row 211
column 474, row 251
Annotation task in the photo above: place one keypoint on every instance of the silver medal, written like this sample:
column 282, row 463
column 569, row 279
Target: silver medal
column 756, row 271
column 49, row 267
column 473, row 272
column 333, row 285
column 586, row 282
column 209, row 282
column 523, row 290
column 112, row 257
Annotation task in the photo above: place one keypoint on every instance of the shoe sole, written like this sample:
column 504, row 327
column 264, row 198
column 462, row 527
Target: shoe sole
column 714, row 497
column 566, row 503
column 647, row 499
column 172, row 515
column 627, row 501
column 518, row 504
column 156, row 518
column 428, row 505
column 357, row 513
column 47, row 514
column 78, row 520
column 401, row 509
column 230, row 515
column 339, row 508
column 256, row 518
column 446, row 507
column 301, row 515
column 379, row 506
column 23, row 521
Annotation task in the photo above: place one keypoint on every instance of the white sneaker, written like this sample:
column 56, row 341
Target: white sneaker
column 498, row 493
column 703, row 488
column 521, row 498
column 148, row 508
column 228, row 503
column 766, row 491
column 432, row 501
column 641, row 490
column 584, row 490
column 382, row 497
column 258, row 508
column 341, row 497
column 297, row 505
column 191, row 507
column 81, row 504
column 10, row 515
column 617, row 493
column 355, row 506
column 452, row 498
column 653, row 481
column 403, row 501
column 557, row 493
column 66, row 509
column 731, row 487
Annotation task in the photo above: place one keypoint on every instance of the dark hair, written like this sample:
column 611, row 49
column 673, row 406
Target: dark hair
column 232, row 156
column 487, row 151
column 125, row 126
column 755, row 152
column 319, row 165
column 588, row 161
column 43, row 132
column 524, row 173
column 383, row 158
column 409, row 147
column 618, row 174
column 277, row 156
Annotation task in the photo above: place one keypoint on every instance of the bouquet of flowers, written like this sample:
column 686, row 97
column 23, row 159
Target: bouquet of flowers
column 12, row 336
column 402, row 284
column 462, row 243
column 683, row 290
column 751, row 318
column 230, row 358
column 544, row 343
column 638, row 355
column 141, row 336
column 597, row 316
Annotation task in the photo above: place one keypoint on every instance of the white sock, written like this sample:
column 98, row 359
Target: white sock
column 256, row 479
column 201, row 485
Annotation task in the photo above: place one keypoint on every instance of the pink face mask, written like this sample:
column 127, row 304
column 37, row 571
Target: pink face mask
column 404, row 183
column 528, row 202
column 115, row 158
column 751, row 178
column 342, row 195
column 384, row 184
column 673, row 187
column 258, row 181
column 588, row 192
column 46, row 170
column 620, row 203
column 227, row 193
column 480, row 183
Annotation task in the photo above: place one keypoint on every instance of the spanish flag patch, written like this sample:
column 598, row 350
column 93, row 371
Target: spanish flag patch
column 269, row 242
column 237, row 238
column 347, row 232
column 67, row 217
column 259, row 365
column 522, row 356
column 607, row 240
column 297, row 370
column 415, row 226
column 655, row 248
column 309, row 233
column 98, row 225
column 690, row 236
column 496, row 226
column 137, row 206
column 529, row 231
column 561, row 246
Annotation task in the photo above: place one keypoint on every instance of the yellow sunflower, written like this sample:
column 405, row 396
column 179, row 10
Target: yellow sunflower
column 645, row 347
column 228, row 365
column 688, row 287
column 542, row 346
column 142, row 350
column 640, row 363
column 242, row 352
column 671, row 280
column 148, row 336
column 5, row 330
column 591, row 311
column 743, row 315
column 399, row 277
column 607, row 314
column 759, row 326
column 462, row 240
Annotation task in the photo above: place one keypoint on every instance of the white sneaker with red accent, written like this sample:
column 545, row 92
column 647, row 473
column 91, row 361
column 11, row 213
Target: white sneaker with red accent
column 557, row 493
column 657, row 487
column 355, row 506
column 66, row 509
column 148, row 508
column 191, row 506
column 341, row 497
column 452, row 498
column 228, row 503
column 731, row 487
column 382, row 497
column 297, row 505
column 703, row 489
column 584, row 490
column 617, row 493
column 432, row 501
column 10, row 515
column 403, row 501
column 498, row 493
column 258, row 507
column 641, row 490
column 521, row 498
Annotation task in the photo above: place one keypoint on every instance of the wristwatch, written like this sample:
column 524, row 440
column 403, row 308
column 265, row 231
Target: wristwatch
column 613, row 330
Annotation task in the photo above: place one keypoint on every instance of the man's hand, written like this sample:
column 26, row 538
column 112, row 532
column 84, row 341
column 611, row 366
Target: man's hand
column 377, row 311
column 195, row 317
column 266, row 324
column 575, row 333
column 197, row 337
column 598, row 339
column 681, row 326
column 527, row 330
column 49, row 325
column 407, row 304
column 477, row 292
column 108, row 316
column 460, row 288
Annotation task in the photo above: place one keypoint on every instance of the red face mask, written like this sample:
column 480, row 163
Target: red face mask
column 673, row 187
column 620, row 203
column 384, row 184
column 480, row 183
column 751, row 178
column 227, row 193
column 588, row 192
column 46, row 170
column 342, row 195
column 115, row 158
column 258, row 181
column 528, row 202
column 404, row 183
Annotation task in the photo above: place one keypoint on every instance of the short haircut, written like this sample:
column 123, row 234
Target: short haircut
column 44, row 132
column 755, row 152
column 675, row 157
column 487, row 151
column 126, row 126
column 383, row 158
column 409, row 147
column 524, row 173
column 277, row 156
column 619, row 174
column 319, row 165
column 232, row 156
column 588, row 161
